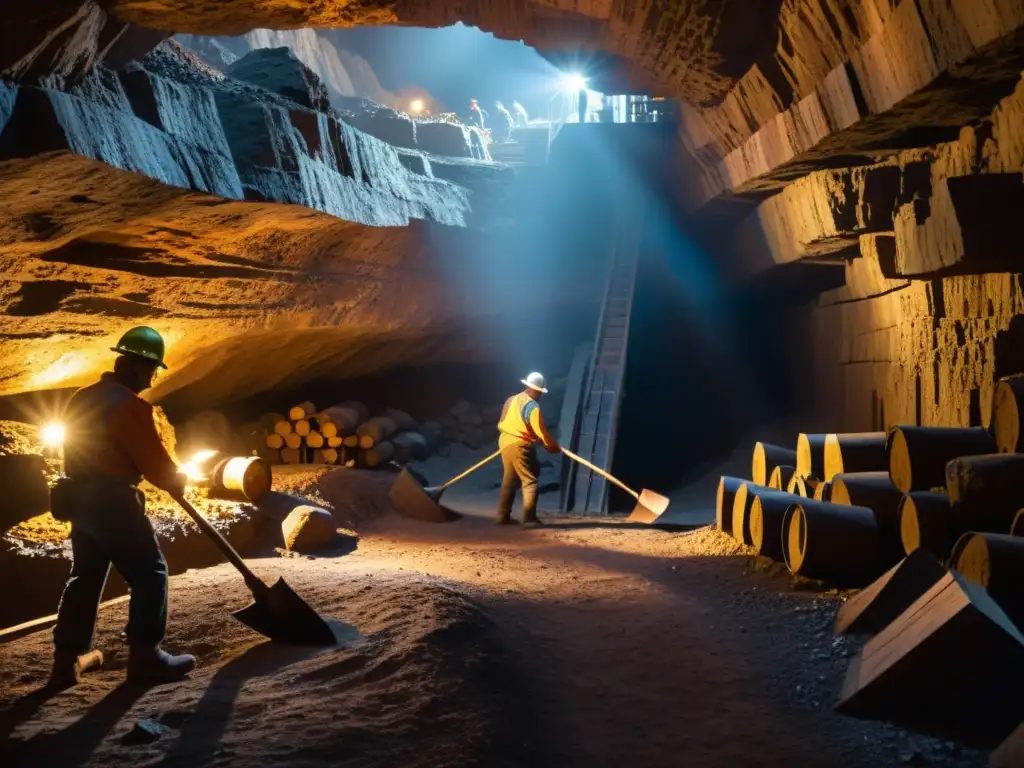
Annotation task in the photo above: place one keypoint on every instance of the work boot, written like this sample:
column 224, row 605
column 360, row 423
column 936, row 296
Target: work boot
column 155, row 666
column 505, row 520
column 532, row 522
column 68, row 668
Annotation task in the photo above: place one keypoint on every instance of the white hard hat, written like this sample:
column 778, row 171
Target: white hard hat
column 536, row 381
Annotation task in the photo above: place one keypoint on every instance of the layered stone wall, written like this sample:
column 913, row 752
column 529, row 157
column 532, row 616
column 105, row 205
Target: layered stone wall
column 932, row 312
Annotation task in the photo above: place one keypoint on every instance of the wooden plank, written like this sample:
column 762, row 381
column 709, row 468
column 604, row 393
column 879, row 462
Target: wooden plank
column 1010, row 753
column 950, row 666
column 877, row 605
column 45, row 622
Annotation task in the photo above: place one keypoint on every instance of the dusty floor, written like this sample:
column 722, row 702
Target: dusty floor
column 580, row 644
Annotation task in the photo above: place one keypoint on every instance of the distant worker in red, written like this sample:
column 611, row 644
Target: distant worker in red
column 112, row 443
column 521, row 427
column 477, row 116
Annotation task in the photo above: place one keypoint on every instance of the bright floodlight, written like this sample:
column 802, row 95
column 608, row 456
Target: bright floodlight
column 573, row 83
column 194, row 469
column 416, row 106
column 53, row 435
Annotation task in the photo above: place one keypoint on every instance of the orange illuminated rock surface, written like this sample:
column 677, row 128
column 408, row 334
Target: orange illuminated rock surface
column 267, row 240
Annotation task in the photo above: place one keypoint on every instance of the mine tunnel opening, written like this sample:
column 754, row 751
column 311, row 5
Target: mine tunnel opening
column 707, row 362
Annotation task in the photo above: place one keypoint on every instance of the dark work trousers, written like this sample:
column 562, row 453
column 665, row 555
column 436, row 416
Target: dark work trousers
column 521, row 468
column 110, row 527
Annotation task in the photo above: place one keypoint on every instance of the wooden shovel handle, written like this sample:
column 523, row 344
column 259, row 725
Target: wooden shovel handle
column 251, row 579
column 606, row 475
column 471, row 470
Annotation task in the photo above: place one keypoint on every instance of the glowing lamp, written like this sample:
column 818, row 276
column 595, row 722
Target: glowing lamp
column 53, row 435
column 416, row 106
column 193, row 469
column 573, row 83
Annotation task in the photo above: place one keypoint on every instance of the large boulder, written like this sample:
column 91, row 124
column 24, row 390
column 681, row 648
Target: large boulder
column 308, row 529
column 277, row 70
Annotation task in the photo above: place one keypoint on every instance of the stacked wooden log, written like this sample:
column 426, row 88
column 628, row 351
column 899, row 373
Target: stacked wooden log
column 937, row 515
column 346, row 434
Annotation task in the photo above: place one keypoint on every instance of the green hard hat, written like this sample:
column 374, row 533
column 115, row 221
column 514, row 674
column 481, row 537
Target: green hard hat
column 142, row 341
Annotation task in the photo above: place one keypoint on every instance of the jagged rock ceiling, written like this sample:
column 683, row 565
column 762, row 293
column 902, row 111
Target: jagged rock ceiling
column 159, row 194
column 693, row 49
column 883, row 133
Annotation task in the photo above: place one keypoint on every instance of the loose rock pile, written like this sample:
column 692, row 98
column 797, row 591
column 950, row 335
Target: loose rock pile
column 929, row 521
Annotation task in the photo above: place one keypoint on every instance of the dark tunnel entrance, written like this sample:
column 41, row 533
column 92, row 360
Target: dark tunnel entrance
column 705, row 364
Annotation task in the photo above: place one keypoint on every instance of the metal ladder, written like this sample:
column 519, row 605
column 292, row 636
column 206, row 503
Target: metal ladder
column 603, row 392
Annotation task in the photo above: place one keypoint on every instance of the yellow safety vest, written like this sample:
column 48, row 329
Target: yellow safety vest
column 515, row 418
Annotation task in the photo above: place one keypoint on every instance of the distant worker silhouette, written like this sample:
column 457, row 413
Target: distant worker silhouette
column 477, row 116
column 522, row 119
column 583, row 105
column 506, row 123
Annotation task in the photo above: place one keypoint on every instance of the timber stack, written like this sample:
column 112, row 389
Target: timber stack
column 345, row 434
column 929, row 522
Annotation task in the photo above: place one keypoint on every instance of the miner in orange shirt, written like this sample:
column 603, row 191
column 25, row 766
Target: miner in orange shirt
column 521, row 427
column 111, row 445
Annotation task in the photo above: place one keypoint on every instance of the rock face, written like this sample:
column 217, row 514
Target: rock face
column 931, row 312
column 344, row 74
column 64, row 39
column 278, row 71
column 364, row 106
column 876, row 140
column 689, row 48
column 242, row 224
column 172, row 120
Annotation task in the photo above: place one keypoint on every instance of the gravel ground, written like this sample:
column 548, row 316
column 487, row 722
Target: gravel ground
column 585, row 643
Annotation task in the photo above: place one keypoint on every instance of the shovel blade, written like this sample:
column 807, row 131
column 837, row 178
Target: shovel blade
column 649, row 507
column 412, row 500
column 280, row 614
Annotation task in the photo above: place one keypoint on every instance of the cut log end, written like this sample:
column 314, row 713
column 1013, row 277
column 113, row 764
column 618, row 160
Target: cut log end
column 899, row 461
column 917, row 456
column 974, row 561
column 810, row 454
column 1006, row 412
column 766, row 457
column 924, row 519
column 854, row 452
column 781, row 476
column 823, row 492
column 831, row 542
column 727, row 487
column 795, row 538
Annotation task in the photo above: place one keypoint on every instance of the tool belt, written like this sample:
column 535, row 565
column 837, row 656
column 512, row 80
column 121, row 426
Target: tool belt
column 69, row 496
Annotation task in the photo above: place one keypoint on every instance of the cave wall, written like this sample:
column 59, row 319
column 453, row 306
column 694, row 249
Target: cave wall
column 240, row 215
column 875, row 138
column 932, row 313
